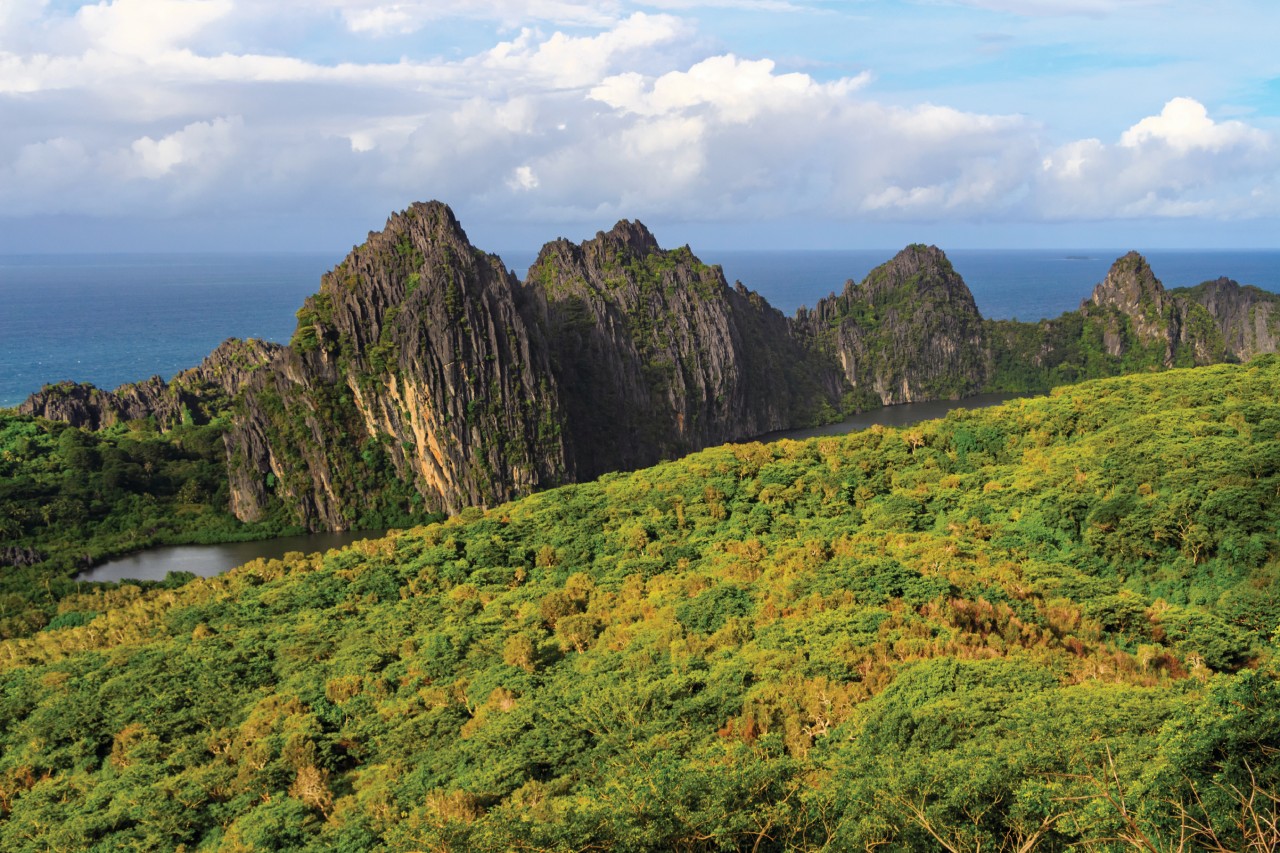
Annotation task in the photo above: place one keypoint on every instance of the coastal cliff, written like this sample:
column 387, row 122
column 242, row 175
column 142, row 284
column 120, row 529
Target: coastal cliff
column 1138, row 314
column 423, row 377
column 1247, row 318
column 423, row 362
column 1131, row 323
column 656, row 356
column 413, row 383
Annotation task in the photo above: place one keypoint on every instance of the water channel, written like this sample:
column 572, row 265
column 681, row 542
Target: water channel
column 210, row 560
column 902, row 415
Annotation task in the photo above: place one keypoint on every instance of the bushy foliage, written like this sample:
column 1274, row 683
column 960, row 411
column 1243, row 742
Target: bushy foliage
column 1041, row 626
column 71, row 497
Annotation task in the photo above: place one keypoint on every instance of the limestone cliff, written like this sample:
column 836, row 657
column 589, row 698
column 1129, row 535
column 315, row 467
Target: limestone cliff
column 413, row 383
column 422, row 361
column 656, row 356
column 423, row 377
column 909, row 332
column 1247, row 318
column 1137, row 313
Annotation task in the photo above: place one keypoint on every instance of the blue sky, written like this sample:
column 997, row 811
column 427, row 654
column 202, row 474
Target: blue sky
column 283, row 124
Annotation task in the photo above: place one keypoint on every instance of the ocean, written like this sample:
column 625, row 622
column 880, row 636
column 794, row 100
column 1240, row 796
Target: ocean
column 115, row 318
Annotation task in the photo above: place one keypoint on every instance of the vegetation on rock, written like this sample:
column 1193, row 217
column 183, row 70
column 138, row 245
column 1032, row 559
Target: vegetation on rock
column 1045, row 626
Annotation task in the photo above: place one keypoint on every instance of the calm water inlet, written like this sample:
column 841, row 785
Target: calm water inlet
column 903, row 414
column 208, row 560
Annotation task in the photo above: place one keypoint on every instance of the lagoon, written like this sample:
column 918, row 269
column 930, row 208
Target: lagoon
column 208, row 560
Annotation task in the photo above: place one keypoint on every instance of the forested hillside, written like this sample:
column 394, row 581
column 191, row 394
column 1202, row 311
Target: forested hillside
column 1044, row 626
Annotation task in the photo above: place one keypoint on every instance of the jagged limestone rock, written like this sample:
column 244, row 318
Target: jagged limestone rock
column 423, row 377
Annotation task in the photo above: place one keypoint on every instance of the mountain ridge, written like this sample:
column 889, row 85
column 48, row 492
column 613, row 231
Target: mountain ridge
column 423, row 377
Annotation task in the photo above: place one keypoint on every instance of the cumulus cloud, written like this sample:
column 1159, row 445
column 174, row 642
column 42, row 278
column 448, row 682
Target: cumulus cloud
column 738, row 90
column 378, row 18
column 1178, row 163
column 195, row 145
column 133, row 106
column 741, row 5
column 146, row 27
column 569, row 61
column 1184, row 125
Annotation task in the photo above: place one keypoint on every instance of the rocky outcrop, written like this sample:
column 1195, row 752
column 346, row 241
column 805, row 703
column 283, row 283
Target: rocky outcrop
column 197, row 394
column 1247, row 318
column 1132, row 323
column 656, row 356
column 423, row 377
column 1136, row 312
column 910, row 331
column 422, row 361
column 1132, row 291
column 85, row 405
column 412, row 372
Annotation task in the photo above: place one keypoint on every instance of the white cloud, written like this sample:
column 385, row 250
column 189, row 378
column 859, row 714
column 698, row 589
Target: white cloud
column 17, row 19
column 56, row 162
column 739, row 90
column 1184, row 125
column 741, row 5
column 1176, row 164
column 376, row 18
column 146, row 27
column 523, row 178
column 134, row 106
column 196, row 144
column 576, row 61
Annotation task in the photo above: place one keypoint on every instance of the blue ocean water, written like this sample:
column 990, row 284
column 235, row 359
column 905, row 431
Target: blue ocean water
column 115, row 318
column 110, row 319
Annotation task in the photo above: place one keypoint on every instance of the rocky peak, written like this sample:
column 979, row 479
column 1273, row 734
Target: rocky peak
column 915, row 259
column 918, row 272
column 910, row 331
column 1247, row 317
column 427, row 221
column 655, row 355
column 637, row 239
column 414, row 359
column 1131, row 287
column 1132, row 290
column 1220, row 290
column 230, row 364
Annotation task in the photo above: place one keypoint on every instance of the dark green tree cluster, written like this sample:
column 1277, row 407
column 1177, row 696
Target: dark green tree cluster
column 1046, row 626
column 72, row 497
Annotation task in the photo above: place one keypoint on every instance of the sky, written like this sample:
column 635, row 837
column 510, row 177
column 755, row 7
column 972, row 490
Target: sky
column 299, row 125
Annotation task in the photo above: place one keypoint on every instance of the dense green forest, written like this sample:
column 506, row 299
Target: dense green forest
column 1044, row 626
column 72, row 497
